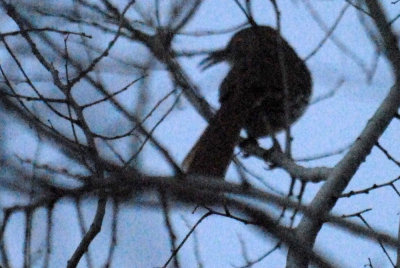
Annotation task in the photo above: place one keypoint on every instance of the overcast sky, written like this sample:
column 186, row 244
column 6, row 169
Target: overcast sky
column 326, row 126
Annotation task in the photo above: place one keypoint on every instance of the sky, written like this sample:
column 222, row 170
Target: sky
column 326, row 126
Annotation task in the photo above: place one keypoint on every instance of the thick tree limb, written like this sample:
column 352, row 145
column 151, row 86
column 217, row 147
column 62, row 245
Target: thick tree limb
column 342, row 173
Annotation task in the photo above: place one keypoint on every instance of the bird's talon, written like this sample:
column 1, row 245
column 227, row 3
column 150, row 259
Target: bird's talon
column 248, row 142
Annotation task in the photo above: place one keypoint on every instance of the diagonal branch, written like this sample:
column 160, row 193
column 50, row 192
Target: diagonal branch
column 342, row 173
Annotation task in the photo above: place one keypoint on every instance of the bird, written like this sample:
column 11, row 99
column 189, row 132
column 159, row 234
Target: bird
column 267, row 88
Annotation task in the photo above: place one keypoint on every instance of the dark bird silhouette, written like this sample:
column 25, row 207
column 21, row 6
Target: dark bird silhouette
column 266, row 76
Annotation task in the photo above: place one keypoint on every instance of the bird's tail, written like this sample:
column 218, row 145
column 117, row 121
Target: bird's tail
column 212, row 153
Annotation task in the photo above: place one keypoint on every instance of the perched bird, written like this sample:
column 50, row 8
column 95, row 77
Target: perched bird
column 266, row 77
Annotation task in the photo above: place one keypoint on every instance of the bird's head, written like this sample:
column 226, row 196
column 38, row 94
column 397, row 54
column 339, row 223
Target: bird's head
column 246, row 44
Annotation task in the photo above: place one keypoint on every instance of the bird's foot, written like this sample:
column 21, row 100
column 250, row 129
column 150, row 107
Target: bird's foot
column 249, row 142
column 275, row 145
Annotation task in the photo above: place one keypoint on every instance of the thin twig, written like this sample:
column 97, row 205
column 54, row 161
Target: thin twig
column 186, row 238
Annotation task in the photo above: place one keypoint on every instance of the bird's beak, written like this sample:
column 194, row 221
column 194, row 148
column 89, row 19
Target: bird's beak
column 212, row 59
